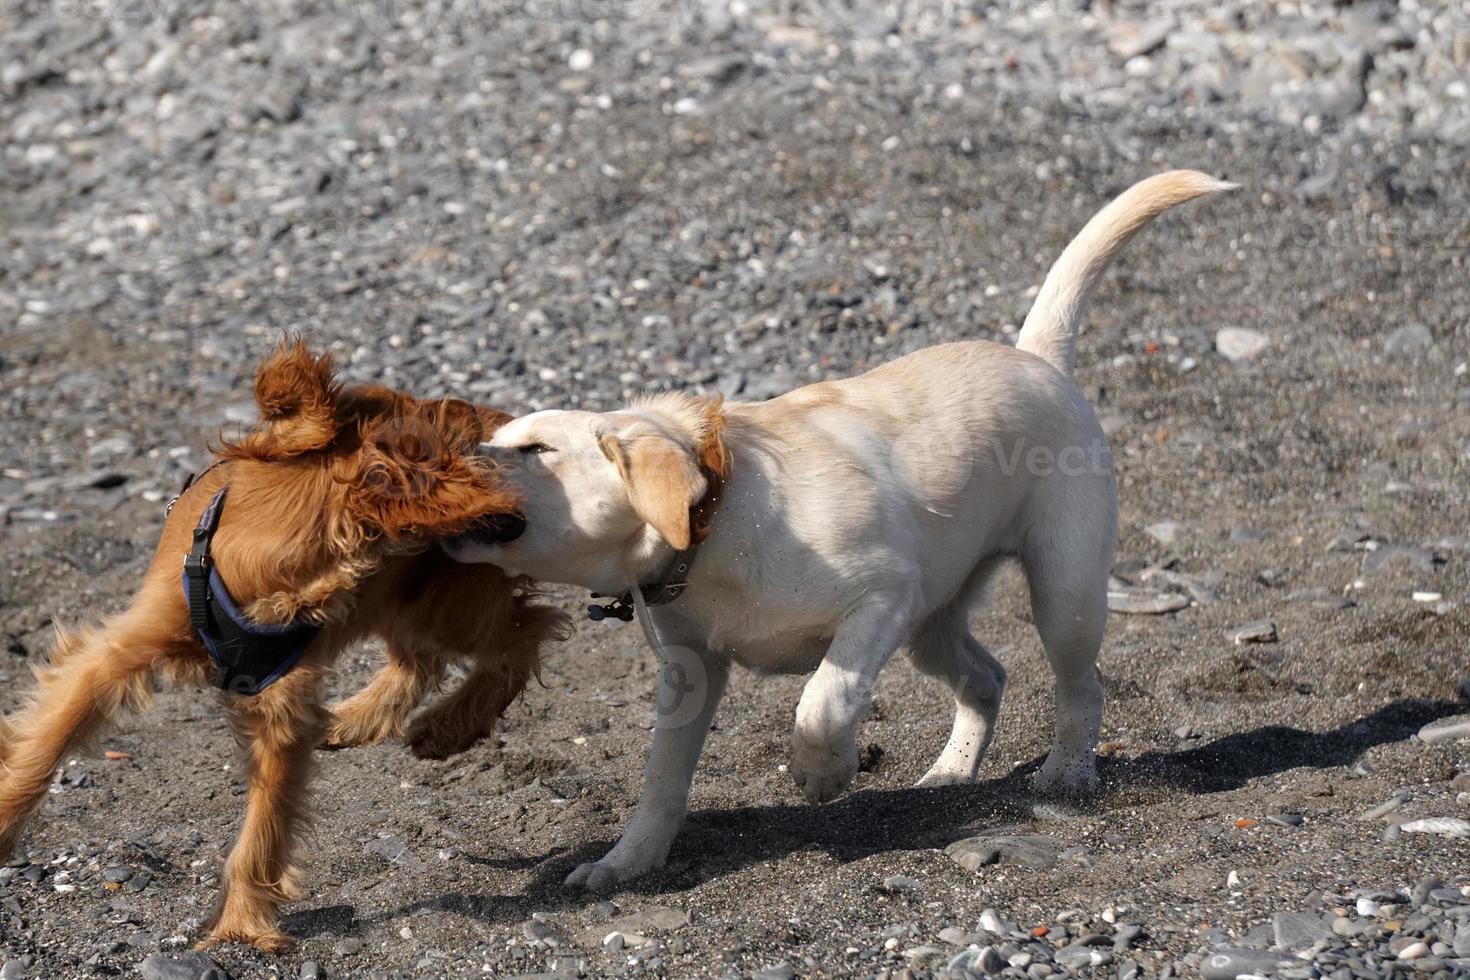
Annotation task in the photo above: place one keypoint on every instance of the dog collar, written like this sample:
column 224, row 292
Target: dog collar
column 674, row 579
column 670, row 585
column 248, row 656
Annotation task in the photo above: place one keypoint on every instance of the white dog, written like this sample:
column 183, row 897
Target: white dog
column 840, row 522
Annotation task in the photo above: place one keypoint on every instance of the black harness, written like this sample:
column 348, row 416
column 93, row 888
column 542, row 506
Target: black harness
column 248, row 656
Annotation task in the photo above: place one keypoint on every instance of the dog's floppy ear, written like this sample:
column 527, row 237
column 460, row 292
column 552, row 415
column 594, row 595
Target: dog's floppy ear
column 296, row 393
column 662, row 479
column 416, row 475
column 491, row 419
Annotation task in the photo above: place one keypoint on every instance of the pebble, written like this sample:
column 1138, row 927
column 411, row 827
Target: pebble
column 1146, row 603
column 1414, row 951
column 1413, row 338
column 13, row 970
column 1444, row 826
column 1028, row 850
column 1445, row 730
column 1261, row 631
column 776, row 971
column 1165, row 533
column 188, row 966
column 1230, row 963
column 1286, row 819
column 1239, row 344
column 1083, row 957
column 1299, row 931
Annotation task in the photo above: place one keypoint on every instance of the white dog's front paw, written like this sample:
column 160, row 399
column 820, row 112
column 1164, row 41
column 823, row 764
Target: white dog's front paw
column 1066, row 775
column 941, row 774
column 621, row 864
column 823, row 769
column 599, row 876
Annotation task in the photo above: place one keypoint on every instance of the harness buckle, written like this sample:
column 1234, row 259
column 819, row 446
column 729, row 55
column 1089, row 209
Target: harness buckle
column 196, row 566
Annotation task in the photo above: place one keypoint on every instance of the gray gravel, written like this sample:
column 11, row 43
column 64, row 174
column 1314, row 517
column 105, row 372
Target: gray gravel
column 564, row 204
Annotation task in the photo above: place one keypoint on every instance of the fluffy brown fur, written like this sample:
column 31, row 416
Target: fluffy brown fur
column 335, row 497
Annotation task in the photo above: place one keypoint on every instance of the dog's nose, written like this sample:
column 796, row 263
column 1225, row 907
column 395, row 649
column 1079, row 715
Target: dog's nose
column 497, row 528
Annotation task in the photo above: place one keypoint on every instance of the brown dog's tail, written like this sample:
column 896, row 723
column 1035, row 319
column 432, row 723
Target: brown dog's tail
column 1050, row 331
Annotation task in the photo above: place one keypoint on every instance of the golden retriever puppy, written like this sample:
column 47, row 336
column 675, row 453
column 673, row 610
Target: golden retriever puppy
column 839, row 523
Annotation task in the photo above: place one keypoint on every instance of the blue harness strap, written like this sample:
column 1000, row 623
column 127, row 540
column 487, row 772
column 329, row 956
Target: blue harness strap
column 248, row 656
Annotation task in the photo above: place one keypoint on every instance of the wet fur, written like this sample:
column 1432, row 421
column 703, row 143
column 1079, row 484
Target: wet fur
column 335, row 499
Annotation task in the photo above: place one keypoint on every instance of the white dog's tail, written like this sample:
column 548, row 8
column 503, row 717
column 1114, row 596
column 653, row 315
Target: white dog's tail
column 1050, row 331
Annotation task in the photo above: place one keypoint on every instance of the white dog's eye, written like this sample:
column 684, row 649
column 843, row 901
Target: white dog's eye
column 535, row 449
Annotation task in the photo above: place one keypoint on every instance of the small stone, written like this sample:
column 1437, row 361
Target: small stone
column 990, row 961
column 1165, row 533
column 1230, row 963
column 189, row 966
column 393, row 850
column 1137, row 603
column 1298, row 931
column 1444, row 826
column 1414, row 951
column 13, row 970
column 897, row 884
column 350, row 946
column 1082, row 957
column 547, row 933
column 1412, row 338
column 1422, row 889
column 580, row 60
column 776, row 971
column 1286, row 819
column 1134, row 39
column 1445, row 730
column 310, row 970
column 1246, row 535
column 1239, row 344
column 994, row 924
column 634, row 926
column 1366, row 906
column 1029, row 850
column 1383, row 809
column 1261, row 631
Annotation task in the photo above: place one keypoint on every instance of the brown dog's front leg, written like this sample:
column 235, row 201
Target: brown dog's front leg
column 380, row 711
column 278, row 729
column 93, row 675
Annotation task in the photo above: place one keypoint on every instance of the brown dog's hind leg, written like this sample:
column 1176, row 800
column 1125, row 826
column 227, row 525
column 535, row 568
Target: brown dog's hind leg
column 93, row 675
column 380, row 711
column 278, row 730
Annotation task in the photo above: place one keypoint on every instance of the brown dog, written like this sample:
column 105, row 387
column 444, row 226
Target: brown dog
column 334, row 501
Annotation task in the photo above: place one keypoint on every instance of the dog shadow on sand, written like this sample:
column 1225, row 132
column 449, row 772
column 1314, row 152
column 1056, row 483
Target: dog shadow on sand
column 716, row 842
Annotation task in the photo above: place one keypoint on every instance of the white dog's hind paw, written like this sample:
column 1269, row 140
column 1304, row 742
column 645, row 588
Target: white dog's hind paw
column 1064, row 776
column 823, row 771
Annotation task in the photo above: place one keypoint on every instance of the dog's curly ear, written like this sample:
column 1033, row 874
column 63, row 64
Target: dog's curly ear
column 662, row 478
column 415, row 475
column 296, row 392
